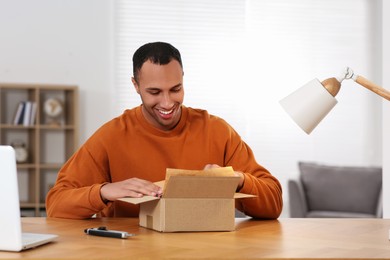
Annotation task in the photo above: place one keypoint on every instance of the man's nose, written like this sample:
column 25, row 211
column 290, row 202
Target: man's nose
column 166, row 101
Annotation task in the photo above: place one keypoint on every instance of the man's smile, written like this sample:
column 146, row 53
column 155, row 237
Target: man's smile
column 165, row 112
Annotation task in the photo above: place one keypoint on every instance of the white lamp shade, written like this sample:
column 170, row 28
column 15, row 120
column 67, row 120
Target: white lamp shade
column 308, row 105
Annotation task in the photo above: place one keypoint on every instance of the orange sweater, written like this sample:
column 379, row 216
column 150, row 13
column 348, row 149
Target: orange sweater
column 128, row 146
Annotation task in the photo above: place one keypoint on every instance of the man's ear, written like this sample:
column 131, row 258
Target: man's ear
column 135, row 84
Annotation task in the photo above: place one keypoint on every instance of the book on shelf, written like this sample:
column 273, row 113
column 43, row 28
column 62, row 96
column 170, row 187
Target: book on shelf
column 19, row 113
column 25, row 113
column 33, row 114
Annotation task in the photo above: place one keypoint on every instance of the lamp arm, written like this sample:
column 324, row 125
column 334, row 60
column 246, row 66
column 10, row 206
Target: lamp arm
column 372, row 86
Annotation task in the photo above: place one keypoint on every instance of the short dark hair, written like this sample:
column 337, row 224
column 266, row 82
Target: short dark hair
column 160, row 53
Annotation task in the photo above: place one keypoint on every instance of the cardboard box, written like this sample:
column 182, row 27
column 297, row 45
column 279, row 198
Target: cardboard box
column 192, row 201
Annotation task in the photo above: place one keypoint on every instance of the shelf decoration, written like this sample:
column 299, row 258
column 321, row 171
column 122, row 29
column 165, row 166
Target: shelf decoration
column 21, row 152
column 53, row 109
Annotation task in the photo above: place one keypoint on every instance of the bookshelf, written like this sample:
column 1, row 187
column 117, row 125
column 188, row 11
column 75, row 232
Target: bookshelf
column 50, row 137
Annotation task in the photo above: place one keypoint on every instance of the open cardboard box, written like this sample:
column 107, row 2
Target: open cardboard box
column 192, row 201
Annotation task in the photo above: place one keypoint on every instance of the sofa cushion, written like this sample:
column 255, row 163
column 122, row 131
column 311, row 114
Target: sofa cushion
column 344, row 189
column 337, row 214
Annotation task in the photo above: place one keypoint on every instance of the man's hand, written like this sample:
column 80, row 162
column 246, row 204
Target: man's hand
column 238, row 174
column 133, row 187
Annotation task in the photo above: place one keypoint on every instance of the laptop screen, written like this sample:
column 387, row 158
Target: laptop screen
column 10, row 224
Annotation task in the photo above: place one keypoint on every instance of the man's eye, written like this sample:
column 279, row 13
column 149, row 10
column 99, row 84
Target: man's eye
column 154, row 92
column 176, row 89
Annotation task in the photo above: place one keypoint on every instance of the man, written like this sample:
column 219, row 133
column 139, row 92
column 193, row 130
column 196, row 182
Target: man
column 126, row 155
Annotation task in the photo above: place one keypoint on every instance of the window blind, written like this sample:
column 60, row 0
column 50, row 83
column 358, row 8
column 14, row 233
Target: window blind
column 241, row 57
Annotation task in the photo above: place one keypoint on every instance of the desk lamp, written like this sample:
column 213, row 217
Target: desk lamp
column 308, row 105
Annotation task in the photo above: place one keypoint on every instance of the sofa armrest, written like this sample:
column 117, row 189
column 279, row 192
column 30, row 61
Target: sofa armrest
column 379, row 208
column 297, row 199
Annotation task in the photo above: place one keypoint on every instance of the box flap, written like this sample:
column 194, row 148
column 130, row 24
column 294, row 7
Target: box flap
column 201, row 187
column 139, row 200
column 222, row 171
column 211, row 183
column 239, row 195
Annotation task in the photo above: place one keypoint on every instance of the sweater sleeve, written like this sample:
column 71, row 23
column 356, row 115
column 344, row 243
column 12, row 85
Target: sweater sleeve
column 258, row 181
column 268, row 201
column 76, row 193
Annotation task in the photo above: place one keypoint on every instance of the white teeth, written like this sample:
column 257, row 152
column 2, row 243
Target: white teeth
column 165, row 112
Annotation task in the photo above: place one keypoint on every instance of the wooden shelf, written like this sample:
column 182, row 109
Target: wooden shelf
column 48, row 127
column 49, row 145
column 27, row 205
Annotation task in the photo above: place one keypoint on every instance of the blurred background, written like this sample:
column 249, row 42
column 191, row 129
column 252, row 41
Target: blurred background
column 240, row 58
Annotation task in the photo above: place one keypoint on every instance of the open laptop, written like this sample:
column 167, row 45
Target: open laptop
column 11, row 236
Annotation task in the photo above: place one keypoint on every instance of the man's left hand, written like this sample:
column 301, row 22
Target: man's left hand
column 236, row 173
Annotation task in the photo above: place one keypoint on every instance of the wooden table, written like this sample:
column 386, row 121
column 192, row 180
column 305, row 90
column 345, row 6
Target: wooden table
column 274, row 239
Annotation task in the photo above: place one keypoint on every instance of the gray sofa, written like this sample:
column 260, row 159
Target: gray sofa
column 324, row 191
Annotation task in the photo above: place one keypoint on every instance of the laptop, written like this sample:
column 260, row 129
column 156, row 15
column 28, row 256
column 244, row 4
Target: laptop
column 11, row 236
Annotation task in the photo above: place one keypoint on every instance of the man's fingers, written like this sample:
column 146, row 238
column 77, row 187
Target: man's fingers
column 211, row 166
column 143, row 186
column 133, row 194
column 133, row 187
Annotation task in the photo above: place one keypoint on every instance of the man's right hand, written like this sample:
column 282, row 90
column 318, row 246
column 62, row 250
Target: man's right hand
column 133, row 187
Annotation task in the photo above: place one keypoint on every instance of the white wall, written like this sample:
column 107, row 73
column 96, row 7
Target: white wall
column 386, row 108
column 62, row 42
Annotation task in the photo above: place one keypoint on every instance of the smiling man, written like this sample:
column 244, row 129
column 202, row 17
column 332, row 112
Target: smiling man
column 127, row 154
column 161, row 93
